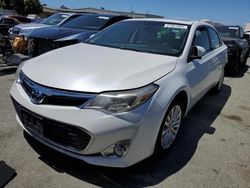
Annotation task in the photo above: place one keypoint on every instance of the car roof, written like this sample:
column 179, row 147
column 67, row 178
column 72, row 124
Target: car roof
column 9, row 17
column 228, row 26
column 105, row 15
column 69, row 13
column 185, row 22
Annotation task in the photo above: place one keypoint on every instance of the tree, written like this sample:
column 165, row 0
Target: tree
column 63, row 7
column 32, row 7
column 18, row 6
column 6, row 4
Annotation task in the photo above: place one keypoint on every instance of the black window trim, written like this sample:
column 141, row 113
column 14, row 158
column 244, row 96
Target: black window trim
column 194, row 36
column 209, row 39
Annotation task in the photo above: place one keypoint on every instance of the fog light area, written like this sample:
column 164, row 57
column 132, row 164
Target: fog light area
column 119, row 149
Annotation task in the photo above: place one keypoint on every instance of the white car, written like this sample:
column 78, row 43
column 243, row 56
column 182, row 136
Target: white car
column 32, row 16
column 120, row 96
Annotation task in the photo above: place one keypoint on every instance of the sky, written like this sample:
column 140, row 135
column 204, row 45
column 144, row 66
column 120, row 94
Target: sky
column 223, row 11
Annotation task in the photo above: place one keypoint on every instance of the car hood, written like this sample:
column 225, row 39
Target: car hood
column 229, row 40
column 92, row 68
column 54, row 33
column 241, row 43
column 30, row 26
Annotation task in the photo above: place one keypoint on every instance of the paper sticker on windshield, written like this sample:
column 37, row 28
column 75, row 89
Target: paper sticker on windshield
column 233, row 28
column 103, row 17
column 174, row 26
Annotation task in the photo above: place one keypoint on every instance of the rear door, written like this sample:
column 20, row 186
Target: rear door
column 218, row 55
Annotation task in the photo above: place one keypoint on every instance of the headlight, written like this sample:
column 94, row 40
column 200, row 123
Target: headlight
column 25, row 32
column 123, row 101
column 18, row 71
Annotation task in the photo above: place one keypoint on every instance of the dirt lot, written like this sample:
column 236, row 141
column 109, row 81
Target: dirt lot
column 212, row 149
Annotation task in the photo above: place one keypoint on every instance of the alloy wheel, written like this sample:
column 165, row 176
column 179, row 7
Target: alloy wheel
column 171, row 126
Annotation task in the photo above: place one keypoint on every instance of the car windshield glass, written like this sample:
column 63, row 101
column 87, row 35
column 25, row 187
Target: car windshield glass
column 91, row 22
column 229, row 31
column 144, row 36
column 55, row 19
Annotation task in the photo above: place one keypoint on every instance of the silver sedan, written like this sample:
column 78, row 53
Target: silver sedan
column 122, row 95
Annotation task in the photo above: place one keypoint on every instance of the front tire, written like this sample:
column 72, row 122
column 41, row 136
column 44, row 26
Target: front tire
column 170, row 127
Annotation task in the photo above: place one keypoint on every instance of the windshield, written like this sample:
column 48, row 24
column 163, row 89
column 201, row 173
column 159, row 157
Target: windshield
column 144, row 36
column 91, row 22
column 229, row 31
column 55, row 19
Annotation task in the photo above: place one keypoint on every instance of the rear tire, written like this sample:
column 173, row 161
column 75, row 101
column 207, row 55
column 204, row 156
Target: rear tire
column 242, row 64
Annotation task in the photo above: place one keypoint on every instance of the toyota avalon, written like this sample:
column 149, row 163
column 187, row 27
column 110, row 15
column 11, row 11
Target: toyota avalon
column 122, row 95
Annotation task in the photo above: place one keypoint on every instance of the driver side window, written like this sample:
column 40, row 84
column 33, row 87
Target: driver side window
column 201, row 39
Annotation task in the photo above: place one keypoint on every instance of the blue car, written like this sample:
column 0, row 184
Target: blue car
column 54, row 20
column 75, row 31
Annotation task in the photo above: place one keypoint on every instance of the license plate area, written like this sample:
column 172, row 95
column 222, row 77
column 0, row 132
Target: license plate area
column 32, row 121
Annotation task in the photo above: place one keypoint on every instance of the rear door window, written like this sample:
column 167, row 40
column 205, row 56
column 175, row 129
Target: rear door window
column 214, row 39
column 10, row 21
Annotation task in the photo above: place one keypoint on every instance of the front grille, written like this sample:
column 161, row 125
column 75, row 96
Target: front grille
column 44, row 45
column 66, row 135
column 43, row 95
column 41, row 46
column 61, row 134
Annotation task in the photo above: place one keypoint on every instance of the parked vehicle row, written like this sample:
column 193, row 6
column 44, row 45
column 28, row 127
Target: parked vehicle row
column 77, row 30
column 7, row 22
column 121, row 95
column 238, row 48
column 54, row 20
column 126, row 80
column 63, row 29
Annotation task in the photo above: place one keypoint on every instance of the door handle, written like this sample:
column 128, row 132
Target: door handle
column 215, row 61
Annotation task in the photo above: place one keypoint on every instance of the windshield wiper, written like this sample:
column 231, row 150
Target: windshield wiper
column 131, row 49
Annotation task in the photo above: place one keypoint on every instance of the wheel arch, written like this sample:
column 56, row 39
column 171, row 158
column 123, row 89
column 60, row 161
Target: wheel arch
column 181, row 96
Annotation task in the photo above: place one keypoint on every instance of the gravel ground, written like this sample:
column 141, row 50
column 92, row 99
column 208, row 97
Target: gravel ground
column 212, row 149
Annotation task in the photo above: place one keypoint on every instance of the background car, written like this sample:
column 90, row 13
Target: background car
column 55, row 19
column 6, row 23
column 232, row 36
column 32, row 16
column 72, row 32
column 21, row 19
column 120, row 96
column 247, row 37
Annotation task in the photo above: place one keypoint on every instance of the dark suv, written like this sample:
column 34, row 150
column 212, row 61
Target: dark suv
column 238, row 52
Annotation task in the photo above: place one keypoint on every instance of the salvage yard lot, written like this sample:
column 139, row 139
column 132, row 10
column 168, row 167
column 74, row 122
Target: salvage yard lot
column 212, row 149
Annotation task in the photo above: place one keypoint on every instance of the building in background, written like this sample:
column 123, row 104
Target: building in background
column 7, row 12
column 48, row 11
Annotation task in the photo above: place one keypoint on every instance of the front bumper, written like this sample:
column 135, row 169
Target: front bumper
column 140, row 126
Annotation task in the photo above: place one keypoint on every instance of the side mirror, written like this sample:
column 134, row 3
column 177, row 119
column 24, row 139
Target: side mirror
column 197, row 52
